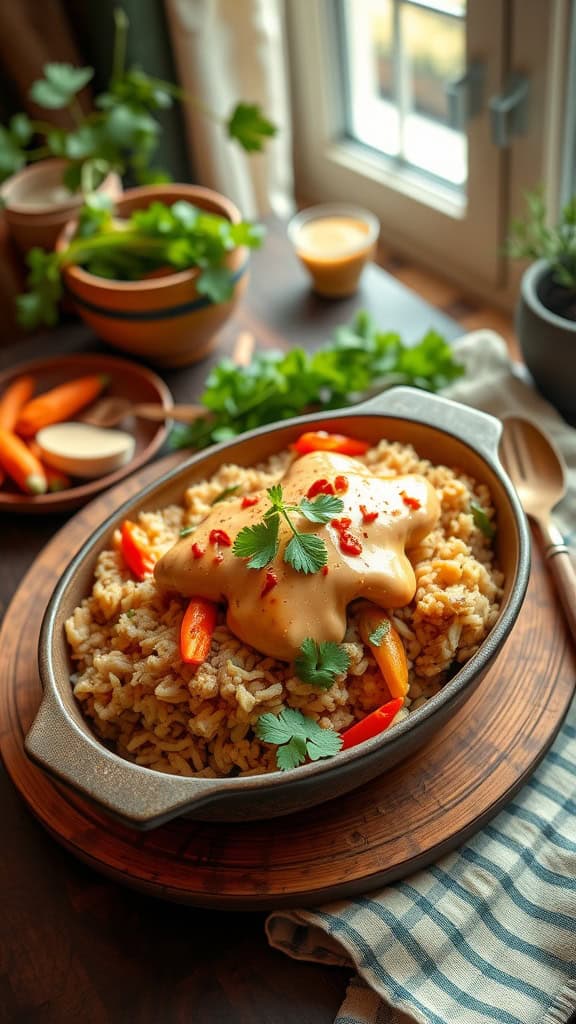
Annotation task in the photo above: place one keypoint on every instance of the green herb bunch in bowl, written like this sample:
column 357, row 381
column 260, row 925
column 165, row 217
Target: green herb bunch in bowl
column 546, row 308
column 157, row 277
column 49, row 169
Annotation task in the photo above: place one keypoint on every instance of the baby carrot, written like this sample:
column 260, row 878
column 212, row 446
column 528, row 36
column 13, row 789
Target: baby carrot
column 16, row 395
column 386, row 645
column 60, row 403
column 56, row 480
column 20, row 464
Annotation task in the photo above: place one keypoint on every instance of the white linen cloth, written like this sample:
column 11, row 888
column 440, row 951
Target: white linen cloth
column 488, row 933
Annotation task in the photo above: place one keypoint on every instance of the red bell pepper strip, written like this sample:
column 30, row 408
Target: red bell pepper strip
column 321, row 441
column 196, row 631
column 135, row 553
column 372, row 725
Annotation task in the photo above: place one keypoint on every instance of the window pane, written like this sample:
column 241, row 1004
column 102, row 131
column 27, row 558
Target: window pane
column 399, row 56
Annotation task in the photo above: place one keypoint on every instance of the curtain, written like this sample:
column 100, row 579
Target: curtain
column 226, row 51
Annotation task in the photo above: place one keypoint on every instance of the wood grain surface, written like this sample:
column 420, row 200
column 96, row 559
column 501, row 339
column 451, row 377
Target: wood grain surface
column 384, row 831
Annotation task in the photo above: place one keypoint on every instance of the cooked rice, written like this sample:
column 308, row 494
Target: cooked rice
column 153, row 709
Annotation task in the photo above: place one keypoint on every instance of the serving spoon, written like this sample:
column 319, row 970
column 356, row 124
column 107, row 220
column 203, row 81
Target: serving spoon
column 108, row 412
column 538, row 472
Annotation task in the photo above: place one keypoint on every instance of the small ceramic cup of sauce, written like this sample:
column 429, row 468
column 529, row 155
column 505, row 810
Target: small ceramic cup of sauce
column 334, row 241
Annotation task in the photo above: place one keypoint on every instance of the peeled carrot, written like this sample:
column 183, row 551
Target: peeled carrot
column 59, row 404
column 16, row 395
column 389, row 652
column 56, row 480
column 20, row 464
column 196, row 630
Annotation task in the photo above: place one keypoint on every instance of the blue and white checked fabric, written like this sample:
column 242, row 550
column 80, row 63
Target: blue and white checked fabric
column 488, row 933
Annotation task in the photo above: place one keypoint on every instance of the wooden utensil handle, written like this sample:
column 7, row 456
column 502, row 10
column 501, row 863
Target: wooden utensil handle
column 181, row 413
column 564, row 576
column 561, row 568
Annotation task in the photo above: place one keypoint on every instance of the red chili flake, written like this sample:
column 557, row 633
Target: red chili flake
column 249, row 502
column 341, row 524
column 219, row 537
column 341, row 484
column 368, row 517
column 349, row 544
column 269, row 583
column 218, row 558
column 197, row 551
column 409, row 500
column 324, row 570
column 321, row 486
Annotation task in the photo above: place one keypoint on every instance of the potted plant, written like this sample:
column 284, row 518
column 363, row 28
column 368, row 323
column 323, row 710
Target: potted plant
column 49, row 170
column 156, row 276
column 546, row 309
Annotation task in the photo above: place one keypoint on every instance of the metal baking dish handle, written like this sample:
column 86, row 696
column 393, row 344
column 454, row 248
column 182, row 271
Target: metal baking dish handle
column 478, row 429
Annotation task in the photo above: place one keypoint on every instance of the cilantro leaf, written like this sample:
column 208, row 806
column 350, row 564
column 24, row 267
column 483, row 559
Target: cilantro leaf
column 259, row 543
column 321, row 509
column 59, row 86
column 320, row 663
column 377, row 635
column 216, row 283
column 276, row 496
column 306, row 553
column 249, row 127
column 296, row 737
column 228, row 492
column 482, row 521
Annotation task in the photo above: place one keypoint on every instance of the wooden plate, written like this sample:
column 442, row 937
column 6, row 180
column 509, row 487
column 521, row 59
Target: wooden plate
column 374, row 835
column 127, row 380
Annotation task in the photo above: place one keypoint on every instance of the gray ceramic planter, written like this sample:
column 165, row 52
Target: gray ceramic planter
column 548, row 341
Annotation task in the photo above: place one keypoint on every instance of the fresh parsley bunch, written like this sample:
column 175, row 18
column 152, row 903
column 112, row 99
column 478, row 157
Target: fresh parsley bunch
column 177, row 236
column 297, row 737
column 122, row 133
column 279, row 385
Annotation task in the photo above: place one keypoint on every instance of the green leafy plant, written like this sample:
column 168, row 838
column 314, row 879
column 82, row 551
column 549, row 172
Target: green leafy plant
column 297, row 737
column 532, row 238
column 277, row 385
column 319, row 664
column 122, row 133
column 305, row 552
column 161, row 236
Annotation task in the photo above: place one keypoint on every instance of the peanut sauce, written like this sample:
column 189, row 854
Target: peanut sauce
column 275, row 621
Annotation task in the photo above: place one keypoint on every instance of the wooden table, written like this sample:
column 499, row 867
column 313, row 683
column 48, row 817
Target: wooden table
column 77, row 948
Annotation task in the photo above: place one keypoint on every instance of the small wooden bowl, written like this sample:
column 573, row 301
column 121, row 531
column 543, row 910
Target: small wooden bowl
column 127, row 380
column 60, row 739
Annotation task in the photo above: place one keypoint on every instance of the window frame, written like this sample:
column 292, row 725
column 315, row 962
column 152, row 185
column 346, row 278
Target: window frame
column 419, row 221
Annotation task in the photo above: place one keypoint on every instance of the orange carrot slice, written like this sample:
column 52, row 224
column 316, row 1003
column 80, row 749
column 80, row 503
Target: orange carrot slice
column 135, row 552
column 15, row 396
column 59, row 404
column 389, row 651
column 20, row 464
column 196, row 631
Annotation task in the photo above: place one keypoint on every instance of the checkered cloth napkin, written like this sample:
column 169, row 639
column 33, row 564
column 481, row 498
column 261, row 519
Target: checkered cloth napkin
column 487, row 934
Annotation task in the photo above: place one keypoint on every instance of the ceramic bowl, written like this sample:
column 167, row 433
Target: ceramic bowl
column 61, row 740
column 163, row 319
column 38, row 207
column 127, row 380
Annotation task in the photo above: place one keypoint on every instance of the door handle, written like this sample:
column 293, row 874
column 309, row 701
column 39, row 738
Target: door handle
column 465, row 96
column 509, row 111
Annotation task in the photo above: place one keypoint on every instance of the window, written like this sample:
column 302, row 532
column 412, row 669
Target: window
column 401, row 105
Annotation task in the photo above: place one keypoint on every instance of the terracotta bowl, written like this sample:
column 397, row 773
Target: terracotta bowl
column 163, row 319
column 61, row 740
column 32, row 219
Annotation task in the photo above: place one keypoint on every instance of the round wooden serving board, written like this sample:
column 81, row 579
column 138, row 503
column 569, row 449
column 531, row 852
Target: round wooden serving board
column 384, row 831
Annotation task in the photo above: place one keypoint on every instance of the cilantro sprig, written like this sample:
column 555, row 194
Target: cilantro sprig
column 305, row 552
column 320, row 663
column 481, row 520
column 297, row 738
column 378, row 634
